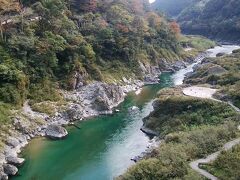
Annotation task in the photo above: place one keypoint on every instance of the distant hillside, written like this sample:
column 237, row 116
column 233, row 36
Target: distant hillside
column 213, row 18
column 171, row 7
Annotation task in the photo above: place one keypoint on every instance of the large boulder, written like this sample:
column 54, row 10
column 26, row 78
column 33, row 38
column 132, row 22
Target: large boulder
column 56, row 132
column 179, row 65
column 216, row 69
column 13, row 142
column 220, row 54
column 107, row 96
column 148, row 131
column 3, row 176
column 165, row 66
column 14, row 160
column 10, row 169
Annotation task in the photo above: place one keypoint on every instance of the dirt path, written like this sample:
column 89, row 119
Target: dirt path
column 195, row 164
column 203, row 92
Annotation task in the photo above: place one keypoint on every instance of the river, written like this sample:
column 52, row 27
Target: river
column 103, row 147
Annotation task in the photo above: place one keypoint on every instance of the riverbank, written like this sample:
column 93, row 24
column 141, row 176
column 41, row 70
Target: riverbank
column 91, row 100
column 183, row 123
column 183, row 116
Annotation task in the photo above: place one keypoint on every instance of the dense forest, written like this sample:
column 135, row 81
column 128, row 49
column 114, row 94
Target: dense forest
column 48, row 43
column 171, row 8
column 213, row 18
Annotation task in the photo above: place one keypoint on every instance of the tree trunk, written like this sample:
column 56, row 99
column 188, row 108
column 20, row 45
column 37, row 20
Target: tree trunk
column 1, row 31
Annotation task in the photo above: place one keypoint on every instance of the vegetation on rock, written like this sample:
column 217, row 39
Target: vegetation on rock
column 184, row 123
column 223, row 72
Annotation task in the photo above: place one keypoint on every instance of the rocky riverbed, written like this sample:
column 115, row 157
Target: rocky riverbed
column 91, row 100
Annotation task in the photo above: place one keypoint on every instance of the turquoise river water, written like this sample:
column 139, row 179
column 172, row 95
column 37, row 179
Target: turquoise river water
column 103, row 147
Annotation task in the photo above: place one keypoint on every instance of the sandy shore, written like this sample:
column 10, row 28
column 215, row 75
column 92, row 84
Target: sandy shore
column 200, row 92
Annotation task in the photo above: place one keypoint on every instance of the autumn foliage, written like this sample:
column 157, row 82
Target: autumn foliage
column 175, row 28
column 87, row 5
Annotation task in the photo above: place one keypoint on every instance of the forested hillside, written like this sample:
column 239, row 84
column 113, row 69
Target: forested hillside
column 49, row 43
column 213, row 18
column 171, row 7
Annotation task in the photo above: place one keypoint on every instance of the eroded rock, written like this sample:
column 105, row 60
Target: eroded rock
column 15, row 160
column 10, row 169
column 56, row 132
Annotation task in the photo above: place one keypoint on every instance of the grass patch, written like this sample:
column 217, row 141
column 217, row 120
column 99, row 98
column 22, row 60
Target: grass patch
column 171, row 160
column 44, row 107
column 174, row 112
column 5, row 113
column 199, row 43
column 45, row 91
column 191, row 128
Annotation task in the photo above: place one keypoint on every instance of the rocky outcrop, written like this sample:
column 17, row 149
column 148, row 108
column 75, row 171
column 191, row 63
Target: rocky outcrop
column 15, row 160
column 216, row 70
column 220, row 54
column 10, row 169
column 93, row 99
column 150, row 73
column 148, row 131
column 85, row 101
column 203, row 71
column 56, row 132
column 165, row 66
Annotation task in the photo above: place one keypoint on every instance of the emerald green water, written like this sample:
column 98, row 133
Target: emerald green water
column 101, row 150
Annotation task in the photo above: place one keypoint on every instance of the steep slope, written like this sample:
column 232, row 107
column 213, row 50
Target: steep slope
column 50, row 46
column 171, row 7
column 58, row 41
column 213, row 18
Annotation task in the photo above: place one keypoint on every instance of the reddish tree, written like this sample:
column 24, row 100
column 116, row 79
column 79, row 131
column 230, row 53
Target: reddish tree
column 175, row 28
column 122, row 28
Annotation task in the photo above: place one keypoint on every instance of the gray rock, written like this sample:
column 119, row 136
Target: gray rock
column 2, row 158
column 216, row 69
column 10, row 169
column 12, row 142
column 105, row 96
column 21, row 125
column 3, row 176
column 149, row 79
column 164, row 65
column 179, row 65
column 220, row 54
column 149, row 131
column 56, row 132
column 15, row 160
column 206, row 60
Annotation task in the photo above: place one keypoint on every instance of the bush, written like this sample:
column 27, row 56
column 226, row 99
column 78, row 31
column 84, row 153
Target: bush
column 179, row 113
column 171, row 159
column 44, row 91
column 226, row 166
column 4, row 113
column 44, row 107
